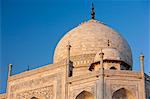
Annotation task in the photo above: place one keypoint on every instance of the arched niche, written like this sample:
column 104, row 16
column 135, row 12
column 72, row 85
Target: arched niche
column 34, row 98
column 122, row 93
column 113, row 68
column 85, row 95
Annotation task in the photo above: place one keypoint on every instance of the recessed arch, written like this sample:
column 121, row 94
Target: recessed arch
column 85, row 95
column 34, row 98
column 122, row 93
column 113, row 68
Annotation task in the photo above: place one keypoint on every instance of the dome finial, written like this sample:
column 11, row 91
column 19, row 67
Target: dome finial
column 92, row 12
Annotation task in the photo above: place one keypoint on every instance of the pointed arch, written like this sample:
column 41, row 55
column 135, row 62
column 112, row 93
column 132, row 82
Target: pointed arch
column 122, row 93
column 85, row 95
column 34, row 98
column 113, row 68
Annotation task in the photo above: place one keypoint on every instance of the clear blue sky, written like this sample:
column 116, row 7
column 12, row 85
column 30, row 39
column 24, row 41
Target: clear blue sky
column 30, row 29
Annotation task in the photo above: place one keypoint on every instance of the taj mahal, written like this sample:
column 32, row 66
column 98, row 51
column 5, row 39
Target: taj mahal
column 92, row 61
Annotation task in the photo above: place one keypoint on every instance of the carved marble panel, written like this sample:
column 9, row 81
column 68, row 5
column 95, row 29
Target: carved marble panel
column 41, row 93
column 31, row 83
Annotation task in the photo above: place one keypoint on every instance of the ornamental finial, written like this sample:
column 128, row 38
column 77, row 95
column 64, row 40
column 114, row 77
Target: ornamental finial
column 92, row 12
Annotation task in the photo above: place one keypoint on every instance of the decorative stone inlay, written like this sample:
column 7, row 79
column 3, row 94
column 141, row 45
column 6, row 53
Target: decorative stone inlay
column 84, row 59
column 31, row 83
column 41, row 93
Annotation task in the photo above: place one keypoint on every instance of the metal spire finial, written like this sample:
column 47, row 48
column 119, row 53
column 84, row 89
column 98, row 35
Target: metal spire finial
column 92, row 12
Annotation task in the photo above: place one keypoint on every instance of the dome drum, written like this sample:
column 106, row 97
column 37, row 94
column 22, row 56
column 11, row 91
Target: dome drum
column 110, row 64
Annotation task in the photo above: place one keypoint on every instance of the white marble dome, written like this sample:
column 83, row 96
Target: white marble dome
column 88, row 39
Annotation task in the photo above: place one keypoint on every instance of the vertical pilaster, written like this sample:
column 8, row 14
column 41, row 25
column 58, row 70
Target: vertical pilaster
column 67, row 70
column 9, row 70
column 143, row 75
column 101, row 79
column 68, row 60
column 9, row 74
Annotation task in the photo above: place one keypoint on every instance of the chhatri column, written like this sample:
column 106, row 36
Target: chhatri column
column 101, row 79
column 143, row 75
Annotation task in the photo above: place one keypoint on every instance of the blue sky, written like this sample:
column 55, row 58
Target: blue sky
column 30, row 29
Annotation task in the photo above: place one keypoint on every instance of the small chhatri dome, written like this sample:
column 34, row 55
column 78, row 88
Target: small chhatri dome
column 88, row 39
